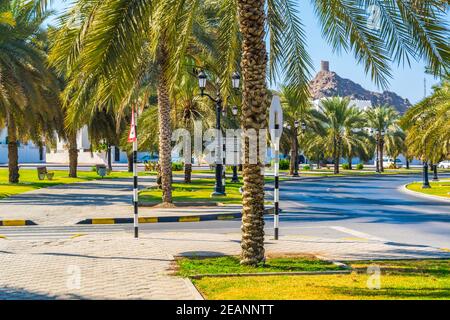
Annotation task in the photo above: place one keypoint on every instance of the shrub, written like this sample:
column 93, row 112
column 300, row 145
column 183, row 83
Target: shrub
column 359, row 166
column 284, row 164
column 306, row 167
column 94, row 169
column 177, row 166
column 345, row 166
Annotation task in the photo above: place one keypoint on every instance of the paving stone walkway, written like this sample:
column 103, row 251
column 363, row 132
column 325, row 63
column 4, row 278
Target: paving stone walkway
column 66, row 205
column 116, row 266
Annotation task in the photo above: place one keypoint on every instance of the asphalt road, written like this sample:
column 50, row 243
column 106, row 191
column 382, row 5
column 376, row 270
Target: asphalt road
column 368, row 207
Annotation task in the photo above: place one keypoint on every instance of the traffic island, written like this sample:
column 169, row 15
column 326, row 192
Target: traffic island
column 440, row 190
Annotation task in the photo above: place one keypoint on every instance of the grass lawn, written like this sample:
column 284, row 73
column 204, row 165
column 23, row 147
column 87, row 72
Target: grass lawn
column 199, row 190
column 403, row 279
column 342, row 173
column 440, row 188
column 29, row 180
column 230, row 264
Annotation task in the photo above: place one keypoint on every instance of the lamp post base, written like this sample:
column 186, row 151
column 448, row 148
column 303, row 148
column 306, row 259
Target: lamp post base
column 426, row 186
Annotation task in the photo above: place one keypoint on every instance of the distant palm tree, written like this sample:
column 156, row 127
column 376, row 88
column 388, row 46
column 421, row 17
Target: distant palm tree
column 394, row 142
column 28, row 90
column 343, row 125
column 297, row 112
column 380, row 119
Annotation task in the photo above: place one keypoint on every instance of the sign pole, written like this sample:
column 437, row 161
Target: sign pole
column 276, row 130
column 276, row 191
column 133, row 138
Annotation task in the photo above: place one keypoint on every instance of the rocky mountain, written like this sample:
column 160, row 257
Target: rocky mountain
column 329, row 84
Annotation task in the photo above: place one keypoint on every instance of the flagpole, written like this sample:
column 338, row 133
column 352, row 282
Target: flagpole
column 135, row 176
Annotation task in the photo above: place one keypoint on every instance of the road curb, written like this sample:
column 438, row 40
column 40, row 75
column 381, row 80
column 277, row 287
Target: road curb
column 175, row 218
column 16, row 223
column 194, row 218
column 404, row 189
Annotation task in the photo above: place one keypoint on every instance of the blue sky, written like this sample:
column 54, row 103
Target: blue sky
column 407, row 81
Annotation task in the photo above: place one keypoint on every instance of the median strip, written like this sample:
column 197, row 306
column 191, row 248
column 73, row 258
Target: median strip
column 16, row 223
column 198, row 218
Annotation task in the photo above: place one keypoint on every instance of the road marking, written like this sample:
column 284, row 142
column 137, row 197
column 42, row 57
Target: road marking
column 355, row 239
column 77, row 235
column 357, row 234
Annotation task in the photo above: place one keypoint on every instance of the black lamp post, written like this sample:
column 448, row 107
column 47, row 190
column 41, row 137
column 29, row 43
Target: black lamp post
column 235, row 179
column 426, row 181
column 219, row 188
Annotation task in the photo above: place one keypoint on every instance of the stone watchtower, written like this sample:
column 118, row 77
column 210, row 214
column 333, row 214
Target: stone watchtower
column 325, row 66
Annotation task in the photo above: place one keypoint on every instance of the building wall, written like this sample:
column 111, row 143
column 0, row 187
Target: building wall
column 28, row 152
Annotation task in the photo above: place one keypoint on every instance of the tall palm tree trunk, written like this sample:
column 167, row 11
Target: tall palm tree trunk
column 109, row 157
column 254, row 108
column 165, row 130
column 187, row 173
column 73, row 154
column 336, row 156
column 381, row 154
column 13, row 152
column 292, row 161
column 349, row 160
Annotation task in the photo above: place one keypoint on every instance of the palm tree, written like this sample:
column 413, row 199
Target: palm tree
column 105, row 45
column 394, row 142
column 28, row 89
column 427, row 125
column 187, row 103
column 381, row 118
column 343, row 126
column 299, row 117
column 345, row 26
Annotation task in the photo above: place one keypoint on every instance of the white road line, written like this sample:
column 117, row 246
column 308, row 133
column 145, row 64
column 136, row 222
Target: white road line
column 357, row 233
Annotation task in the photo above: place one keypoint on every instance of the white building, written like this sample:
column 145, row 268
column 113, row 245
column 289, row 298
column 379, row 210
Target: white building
column 28, row 152
column 61, row 155
column 363, row 105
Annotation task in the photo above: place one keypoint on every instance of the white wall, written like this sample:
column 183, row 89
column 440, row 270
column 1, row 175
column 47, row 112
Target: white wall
column 28, row 152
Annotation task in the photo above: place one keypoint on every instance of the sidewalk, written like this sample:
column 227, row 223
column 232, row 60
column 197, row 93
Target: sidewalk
column 69, row 204
column 116, row 266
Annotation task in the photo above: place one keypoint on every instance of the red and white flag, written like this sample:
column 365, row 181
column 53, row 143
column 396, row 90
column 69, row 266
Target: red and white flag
column 132, row 134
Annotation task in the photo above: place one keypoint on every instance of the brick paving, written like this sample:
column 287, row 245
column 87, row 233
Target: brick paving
column 116, row 266
column 66, row 205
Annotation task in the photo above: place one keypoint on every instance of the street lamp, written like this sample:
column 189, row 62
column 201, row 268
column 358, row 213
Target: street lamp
column 234, row 110
column 235, row 80
column 426, row 181
column 219, row 188
column 303, row 126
